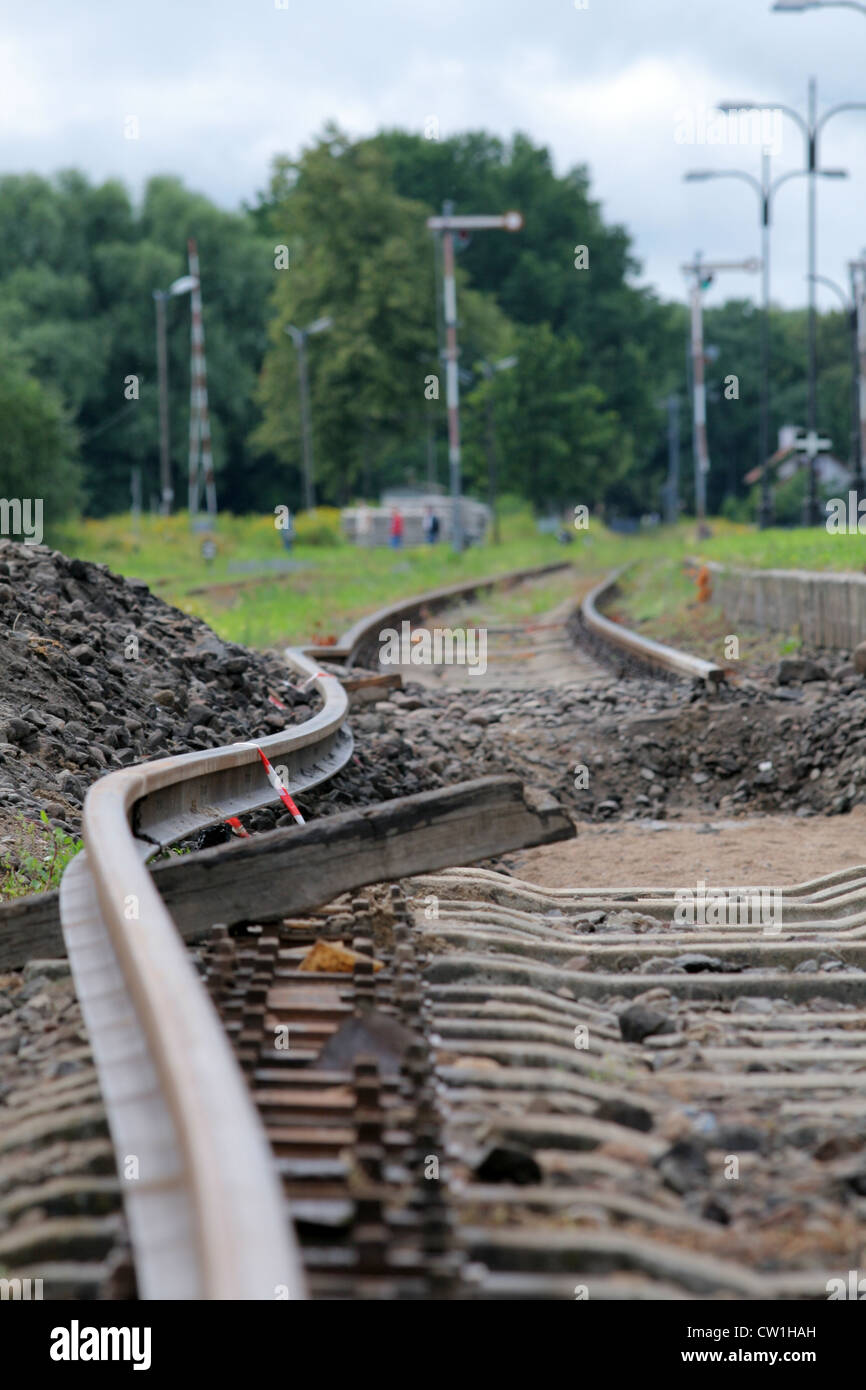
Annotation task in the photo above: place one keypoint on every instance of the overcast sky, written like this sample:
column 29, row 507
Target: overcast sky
column 218, row 88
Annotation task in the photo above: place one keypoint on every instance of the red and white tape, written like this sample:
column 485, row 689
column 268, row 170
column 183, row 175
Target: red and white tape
column 278, row 787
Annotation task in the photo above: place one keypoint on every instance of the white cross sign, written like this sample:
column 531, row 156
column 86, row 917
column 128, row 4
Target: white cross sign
column 812, row 444
column 477, row 222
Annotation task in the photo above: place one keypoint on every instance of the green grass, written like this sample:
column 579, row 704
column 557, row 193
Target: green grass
column 336, row 585
column 656, row 588
column 811, row 548
column 43, row 851
column 506, row 606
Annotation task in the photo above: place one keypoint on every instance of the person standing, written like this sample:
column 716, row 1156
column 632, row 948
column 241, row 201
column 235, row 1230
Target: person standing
column 396, row 528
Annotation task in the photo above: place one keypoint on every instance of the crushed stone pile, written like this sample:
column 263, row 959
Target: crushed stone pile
column 97, row 673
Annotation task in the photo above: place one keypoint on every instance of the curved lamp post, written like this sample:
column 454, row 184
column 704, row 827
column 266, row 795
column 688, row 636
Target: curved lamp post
column 299, row 337
column 765, row 190
column 161, row 297
column 797, row 6
column 811, row 126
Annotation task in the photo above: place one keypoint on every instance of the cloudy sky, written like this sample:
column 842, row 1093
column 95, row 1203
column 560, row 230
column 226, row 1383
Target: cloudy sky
column 217, row 88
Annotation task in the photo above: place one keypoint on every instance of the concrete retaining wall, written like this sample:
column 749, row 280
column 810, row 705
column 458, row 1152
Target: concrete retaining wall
column 828, row 610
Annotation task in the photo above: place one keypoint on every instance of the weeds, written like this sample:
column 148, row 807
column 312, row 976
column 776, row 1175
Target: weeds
column 43, row 850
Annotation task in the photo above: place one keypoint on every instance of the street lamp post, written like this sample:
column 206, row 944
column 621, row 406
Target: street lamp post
column 857, row 271
column 851, row 311
column 765, row 190
column 448, row 224
column 797, row 6
column 299, row 337
column 811, row 126
column 671, row 488
column 161, row 297
column 489, row 369
column 701, row 274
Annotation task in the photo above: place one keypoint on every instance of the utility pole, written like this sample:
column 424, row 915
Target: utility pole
column 200, row 455
column 431, row 453
column 858, row 294
column 672, row 491
column 299, row 337
column 491, row 469
column 853, row 317
column 135, row 491
column 699, row 397
column 811, row 126
column 448, row 224
column 165, row 486
column 811, row 503
column 306, row 424
column 766, row 191
column 489, row 370
column 184, row 285
column 701, row 275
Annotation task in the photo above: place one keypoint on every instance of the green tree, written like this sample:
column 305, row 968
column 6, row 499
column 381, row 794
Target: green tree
column 631, row 345
column 37, row 444
column 558, row 445
column 360, row 253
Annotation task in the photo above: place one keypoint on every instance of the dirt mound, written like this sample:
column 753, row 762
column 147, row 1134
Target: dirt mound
column 97, row 673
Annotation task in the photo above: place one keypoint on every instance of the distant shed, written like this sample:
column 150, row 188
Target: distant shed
column 371, row 526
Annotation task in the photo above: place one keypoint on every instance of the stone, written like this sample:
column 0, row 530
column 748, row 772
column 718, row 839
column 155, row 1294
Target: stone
column 623, row 1112
column 739, row 1139
column 508, row 1163
column 639, row 1021
column 16, row 730
column 694, row 963
column 684, row 1167
column 799, row 670
column 753, row 1004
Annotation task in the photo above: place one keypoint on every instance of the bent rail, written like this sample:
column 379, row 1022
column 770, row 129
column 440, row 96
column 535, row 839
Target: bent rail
column 643, row 648
column 353, row 642
column 206, row 1214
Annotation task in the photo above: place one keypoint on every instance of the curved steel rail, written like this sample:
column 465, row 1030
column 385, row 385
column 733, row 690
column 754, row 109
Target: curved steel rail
column 206, row 1213
column 357, row 638
column 643, row 648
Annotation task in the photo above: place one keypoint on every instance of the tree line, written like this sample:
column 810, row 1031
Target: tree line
column 340, row 231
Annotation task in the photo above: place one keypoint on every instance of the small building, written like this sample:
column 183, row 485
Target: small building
column 371, row 525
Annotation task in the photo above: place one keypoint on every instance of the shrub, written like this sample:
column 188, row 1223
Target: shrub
column 318, row 527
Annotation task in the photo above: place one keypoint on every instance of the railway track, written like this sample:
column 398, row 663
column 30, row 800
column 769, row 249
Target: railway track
column 483, row 1116
column 458, row 1085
